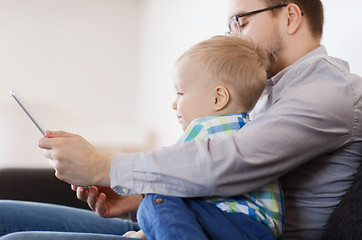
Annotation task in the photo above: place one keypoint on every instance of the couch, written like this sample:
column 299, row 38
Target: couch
column 38, row 185
column 346, row 220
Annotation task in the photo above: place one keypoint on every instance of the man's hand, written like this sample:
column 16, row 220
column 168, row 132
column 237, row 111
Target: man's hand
column 75, row 160
column 106, row 203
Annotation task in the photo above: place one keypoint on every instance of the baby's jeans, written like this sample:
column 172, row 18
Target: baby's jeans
column 164, row 217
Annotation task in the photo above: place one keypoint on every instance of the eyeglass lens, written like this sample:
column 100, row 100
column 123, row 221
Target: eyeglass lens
column 234, row 26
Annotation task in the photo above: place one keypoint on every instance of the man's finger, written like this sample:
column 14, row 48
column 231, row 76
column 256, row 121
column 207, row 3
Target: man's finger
column 74, row 188
column 49, row 140
column 47, row 153
column 100, row 204
column 45, row 143
column 55, row 134
column 92, row 197
column 82, row 194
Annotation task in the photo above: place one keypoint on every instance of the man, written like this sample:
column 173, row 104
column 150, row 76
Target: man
column 307, row 132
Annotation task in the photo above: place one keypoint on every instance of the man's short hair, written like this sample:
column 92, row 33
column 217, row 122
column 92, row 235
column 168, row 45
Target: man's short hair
column 235, row 61
column 312, row 10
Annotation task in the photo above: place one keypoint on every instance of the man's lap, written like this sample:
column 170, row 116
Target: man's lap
column 62, row 236
column 18, row 216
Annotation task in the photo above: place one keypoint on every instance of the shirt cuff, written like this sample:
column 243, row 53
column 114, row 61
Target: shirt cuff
column 121, row 175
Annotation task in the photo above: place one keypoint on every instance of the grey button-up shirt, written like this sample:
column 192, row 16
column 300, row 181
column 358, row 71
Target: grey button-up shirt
column 307, row 132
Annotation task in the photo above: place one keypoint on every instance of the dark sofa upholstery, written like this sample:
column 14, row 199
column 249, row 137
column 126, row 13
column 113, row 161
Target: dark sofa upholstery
column 38, row 185
column 346, row 220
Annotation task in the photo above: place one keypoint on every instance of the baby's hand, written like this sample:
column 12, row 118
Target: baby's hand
column 134, row 234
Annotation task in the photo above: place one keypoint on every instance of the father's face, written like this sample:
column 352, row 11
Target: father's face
column 262, row 28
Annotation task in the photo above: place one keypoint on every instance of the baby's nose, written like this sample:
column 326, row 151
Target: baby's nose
column 174, row 105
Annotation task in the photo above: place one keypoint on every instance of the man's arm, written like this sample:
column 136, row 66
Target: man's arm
column 308, row 118
column 301, row 126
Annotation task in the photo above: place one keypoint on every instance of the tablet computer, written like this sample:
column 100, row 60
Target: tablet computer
column 21, row 103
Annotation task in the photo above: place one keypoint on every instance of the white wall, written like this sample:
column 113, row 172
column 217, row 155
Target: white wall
column 342, row 31
column 103, row 68
column 170, row 28
column 173, row 26
column 75, row 62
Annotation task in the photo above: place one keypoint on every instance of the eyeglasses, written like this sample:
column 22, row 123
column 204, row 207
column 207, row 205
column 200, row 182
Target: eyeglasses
column 235, row 26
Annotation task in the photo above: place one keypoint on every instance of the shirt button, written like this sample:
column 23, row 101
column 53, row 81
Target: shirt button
column 158, row 200
column 125, row 190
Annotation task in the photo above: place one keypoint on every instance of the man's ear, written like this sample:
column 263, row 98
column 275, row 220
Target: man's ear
column 221, row 97
column 294, row 18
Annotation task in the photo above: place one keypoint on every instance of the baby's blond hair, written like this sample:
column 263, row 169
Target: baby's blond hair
column 235, row 61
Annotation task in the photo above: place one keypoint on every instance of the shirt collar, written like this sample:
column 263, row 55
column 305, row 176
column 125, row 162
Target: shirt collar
column 321, row 50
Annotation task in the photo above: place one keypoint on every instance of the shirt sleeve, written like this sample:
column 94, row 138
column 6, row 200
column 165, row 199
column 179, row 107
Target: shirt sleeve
column 309, row 118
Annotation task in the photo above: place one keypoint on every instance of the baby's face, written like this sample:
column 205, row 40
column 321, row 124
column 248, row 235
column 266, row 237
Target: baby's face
column 194, row 90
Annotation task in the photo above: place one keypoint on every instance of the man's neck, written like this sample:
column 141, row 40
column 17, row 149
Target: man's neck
column 292, row 54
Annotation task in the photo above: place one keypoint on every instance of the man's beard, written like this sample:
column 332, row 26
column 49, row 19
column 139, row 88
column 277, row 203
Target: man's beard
column 274, row 50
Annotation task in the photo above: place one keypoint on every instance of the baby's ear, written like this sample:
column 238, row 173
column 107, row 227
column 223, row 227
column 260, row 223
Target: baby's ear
column 221, row 97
